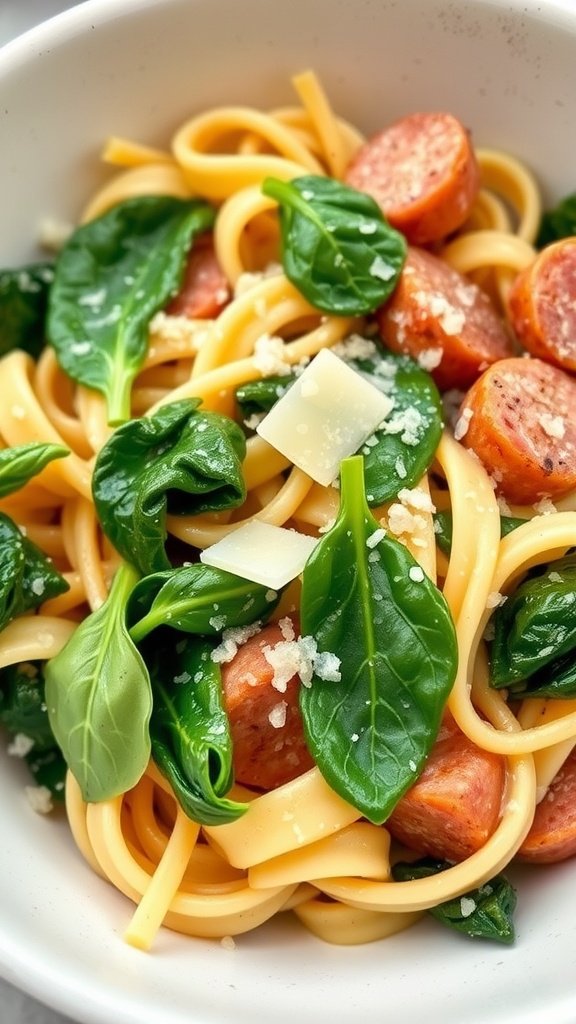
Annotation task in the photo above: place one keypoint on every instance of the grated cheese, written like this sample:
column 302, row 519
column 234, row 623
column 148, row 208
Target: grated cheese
column 39, row 798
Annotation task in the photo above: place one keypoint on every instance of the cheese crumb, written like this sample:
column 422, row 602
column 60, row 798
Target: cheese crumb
column 430, row 358
column 545, row 507
column 227, row 942
column 375, row 538
column 467, row 906
column 301, row 658
column 495, row 600
column 554, row 426
column 268, row 356
column 416, row 573
column 462, row 424
column 39, row 798
column 232, row 639
column 20, row 745
column 277, row 716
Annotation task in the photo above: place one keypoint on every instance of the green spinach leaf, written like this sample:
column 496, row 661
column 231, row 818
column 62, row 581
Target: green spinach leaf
column 27, row 577
column 258, row 396
column 483, row 913
column 23, row 304
column 22, row 703
column 402, row 449
column 99, row 699
column 556, row 680
column 23, row 712
column 337, row 247
column 536, row 625
column 178, row 461
column 191, row 741
column 558, row 223
column 20, row 464
column 112, row 276
column 48, row 768
column 443, row 529
column 366, row 600
column 399, row 453
column 197, row 599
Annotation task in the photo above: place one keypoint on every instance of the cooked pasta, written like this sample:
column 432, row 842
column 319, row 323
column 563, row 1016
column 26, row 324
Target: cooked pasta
column 301, row 846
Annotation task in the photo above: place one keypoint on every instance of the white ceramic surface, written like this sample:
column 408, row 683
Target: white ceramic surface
column 136, row 67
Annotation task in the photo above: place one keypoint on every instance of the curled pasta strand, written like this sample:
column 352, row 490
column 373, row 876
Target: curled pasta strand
column 510, row 178
column 281, row 508
column 216, row 175
column 159, row 179
column 22, row 419
column 56, row 389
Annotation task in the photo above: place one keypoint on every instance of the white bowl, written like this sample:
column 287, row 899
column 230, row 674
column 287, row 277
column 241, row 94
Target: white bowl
column 137, row 68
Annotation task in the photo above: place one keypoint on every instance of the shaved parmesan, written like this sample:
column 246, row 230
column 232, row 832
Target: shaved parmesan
column 265, row 554
column 327, row 415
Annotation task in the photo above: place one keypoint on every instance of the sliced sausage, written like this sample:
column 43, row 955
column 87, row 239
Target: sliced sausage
column 204, row 290
column 542, row 305
column 444, row 321
column 454, row 806
column 422, row 172
column 267, row 732
column 519, row 419
column 552, row 836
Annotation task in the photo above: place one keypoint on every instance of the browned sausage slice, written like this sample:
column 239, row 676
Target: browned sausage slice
column 542, row 304
column 454, row 806
column 552, row 836
column 422, row 172
column 204, row 291
column 267, row 732
column 444, row 321
column 519, row 419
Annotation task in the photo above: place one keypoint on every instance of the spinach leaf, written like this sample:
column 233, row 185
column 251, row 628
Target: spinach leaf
column 112, row 276
column 99, row 699
column 400, row 452
column 27, row 577
column 557, row 679
column 337, row 247
column 258, row 396
column 482, row 913
column 20, row 464
column 23, row 711
column 178, row 461
column 402, row 449
column 366, row 600
column 48, row 768
column 23, row 304
column 22, row 703
column 191, row 741
column 536, row 625
column 197, row 599
column 558, row 223
column 443, row 529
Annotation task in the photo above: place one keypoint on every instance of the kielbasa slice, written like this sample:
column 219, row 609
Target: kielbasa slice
column 519, row 419
column 454, row 805
column 269, row 748
column 552, row 836
column 204, row 291
column 422, row 172
column 542, row 305
column 444, row 321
